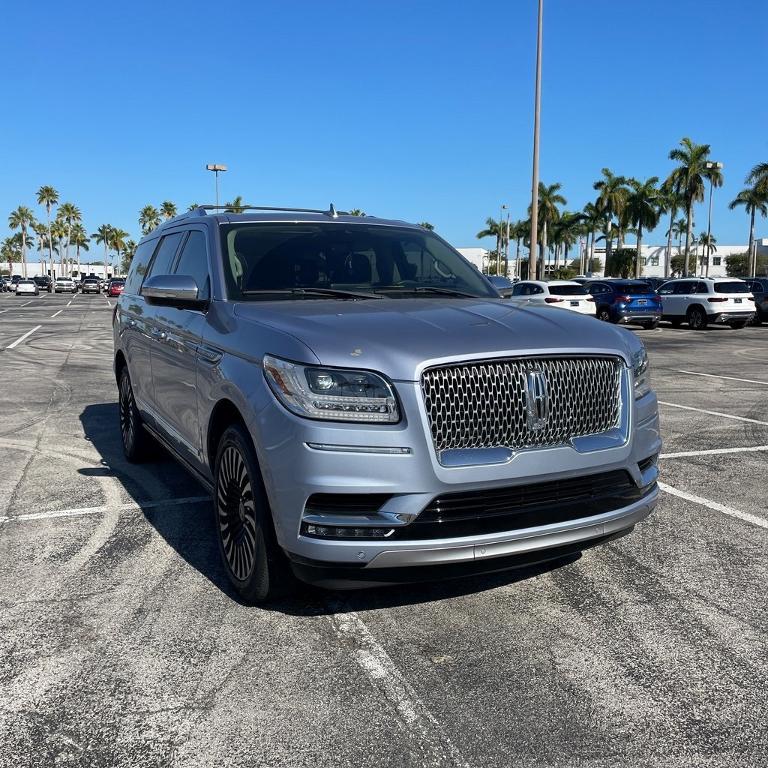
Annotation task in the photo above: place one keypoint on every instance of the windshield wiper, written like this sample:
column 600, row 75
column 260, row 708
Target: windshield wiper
column 329, row 292
column 429, row 289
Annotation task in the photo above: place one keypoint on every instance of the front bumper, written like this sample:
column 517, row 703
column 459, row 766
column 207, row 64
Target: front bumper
column 352, row 460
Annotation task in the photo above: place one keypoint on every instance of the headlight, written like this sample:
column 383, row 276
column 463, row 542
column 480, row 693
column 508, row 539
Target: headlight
column 640, row 373
column 333, row 394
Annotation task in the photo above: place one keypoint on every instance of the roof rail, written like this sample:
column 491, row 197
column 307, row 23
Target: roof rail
column 331, row 211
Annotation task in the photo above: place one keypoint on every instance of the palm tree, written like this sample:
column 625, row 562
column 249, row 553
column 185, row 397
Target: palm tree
column 236, row 206
column 70, row 214
column 707, row 243
column 149, row 219
column 104, row 235
column 565, row 233
column 59, row 234
column 755, row 200
column 611, row 202
column 117, row 242
column 688, row 181
column 758, row 176
column 129, row 249
column 493, row 228
column 592, row 218
column 10, row 251
column 22, row 218
column 193, row 206
column 43, row 239
column 48, row 197
column 356, row 212
column 520, row 231
column 79, row 238
column 669, row 202
column 642, row 210
column 549, row 213
column 426, row 225
column 168, row 209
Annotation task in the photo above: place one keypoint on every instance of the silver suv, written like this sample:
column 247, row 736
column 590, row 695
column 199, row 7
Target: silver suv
column 365, row 409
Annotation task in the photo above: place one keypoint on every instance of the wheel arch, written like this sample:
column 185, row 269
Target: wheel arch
column 119, row 364
column 224, row 414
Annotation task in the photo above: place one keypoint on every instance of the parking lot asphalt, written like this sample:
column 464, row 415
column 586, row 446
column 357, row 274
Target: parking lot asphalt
column 122, row 645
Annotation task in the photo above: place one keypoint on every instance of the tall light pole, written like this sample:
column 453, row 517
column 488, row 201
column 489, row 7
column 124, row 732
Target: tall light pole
column 710, row 166
column 217, row 169
column 533, row 257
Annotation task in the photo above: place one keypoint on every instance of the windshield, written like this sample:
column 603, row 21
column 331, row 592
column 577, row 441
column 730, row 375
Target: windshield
column 272, row 261
column 567, row 290
column 734, row 287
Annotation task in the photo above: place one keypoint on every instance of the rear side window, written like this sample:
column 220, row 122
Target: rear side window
column 567, row 290
column 734, row 287
column 161, row 264
column 194, row 262
column 139, row 266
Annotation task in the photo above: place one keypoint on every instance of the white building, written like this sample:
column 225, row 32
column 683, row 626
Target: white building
column 476, row 256
column 37, row 268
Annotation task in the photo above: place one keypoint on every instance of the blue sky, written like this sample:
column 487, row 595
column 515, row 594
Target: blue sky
column 415, row 110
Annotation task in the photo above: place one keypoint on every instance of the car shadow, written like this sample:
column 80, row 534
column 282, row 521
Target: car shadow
column 189, row 530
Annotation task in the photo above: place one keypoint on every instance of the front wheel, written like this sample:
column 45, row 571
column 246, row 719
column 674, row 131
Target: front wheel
column 697, row 319
column 254, row 562
column 604, row 314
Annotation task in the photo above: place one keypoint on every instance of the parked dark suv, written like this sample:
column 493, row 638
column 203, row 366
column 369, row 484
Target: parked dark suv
column 626, row 301
column 44, row 283
column 759, row 288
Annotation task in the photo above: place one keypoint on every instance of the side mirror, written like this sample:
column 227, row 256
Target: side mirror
column 173, row 290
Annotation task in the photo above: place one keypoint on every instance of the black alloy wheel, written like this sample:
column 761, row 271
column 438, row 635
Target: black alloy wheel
column 737, row 324
column 254, row 562
column 135, row 439
column 697, row 319
column 604, row 314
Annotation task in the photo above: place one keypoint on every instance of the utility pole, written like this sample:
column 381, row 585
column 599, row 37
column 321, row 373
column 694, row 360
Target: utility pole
column 532, row 273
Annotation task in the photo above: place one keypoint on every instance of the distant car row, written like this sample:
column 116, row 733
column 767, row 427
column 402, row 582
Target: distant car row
column 696, row 301
column 35, row 285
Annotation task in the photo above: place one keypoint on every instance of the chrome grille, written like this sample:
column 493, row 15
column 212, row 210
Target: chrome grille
column 483, row 404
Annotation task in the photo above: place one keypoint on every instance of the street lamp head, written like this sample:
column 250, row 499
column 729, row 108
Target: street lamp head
column 216, row 167
column 710, row 164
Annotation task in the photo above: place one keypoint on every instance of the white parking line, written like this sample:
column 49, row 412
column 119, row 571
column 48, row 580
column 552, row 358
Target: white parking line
column 69, row 302
column 25, row 303
column 716, row 506
column 56, row 313
column 714, row 413
column 21, row 338
column 729, row 378
column 378, row 666
column 713, row 452
column 80, row 511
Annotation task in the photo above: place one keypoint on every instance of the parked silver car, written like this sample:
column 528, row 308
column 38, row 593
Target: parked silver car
column 365, row 409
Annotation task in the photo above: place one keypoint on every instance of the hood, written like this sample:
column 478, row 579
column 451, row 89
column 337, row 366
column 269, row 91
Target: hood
column 400, row 337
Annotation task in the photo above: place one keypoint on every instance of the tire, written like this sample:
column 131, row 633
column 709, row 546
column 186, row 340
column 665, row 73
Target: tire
column 255, row 564
column 650, row 325
column 697, row 319
column 737, row 324
column 757, row 320
column 137, row 443
column 604, row 314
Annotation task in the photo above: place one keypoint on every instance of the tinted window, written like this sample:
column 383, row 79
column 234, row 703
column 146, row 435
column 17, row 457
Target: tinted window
column 567, row 290
column 262, row 259
column 666, row 288
column 161, row 264
column 734, row 287
column 632, row 288
column 684, row 287
column 194, row 262
column 139, row 266
column 519, row 289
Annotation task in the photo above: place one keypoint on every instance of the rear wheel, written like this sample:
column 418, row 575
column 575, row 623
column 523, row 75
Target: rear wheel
column 255, row 564
column 697, row 319
column 650, row 324
column 136, row 441
column 738, row 324
column 604, row 314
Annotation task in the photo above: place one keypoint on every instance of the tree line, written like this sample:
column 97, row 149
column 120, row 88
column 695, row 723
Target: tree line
column 625, row 205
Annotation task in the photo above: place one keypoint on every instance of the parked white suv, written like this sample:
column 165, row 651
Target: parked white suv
column 564, row 294
column 700, row 301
